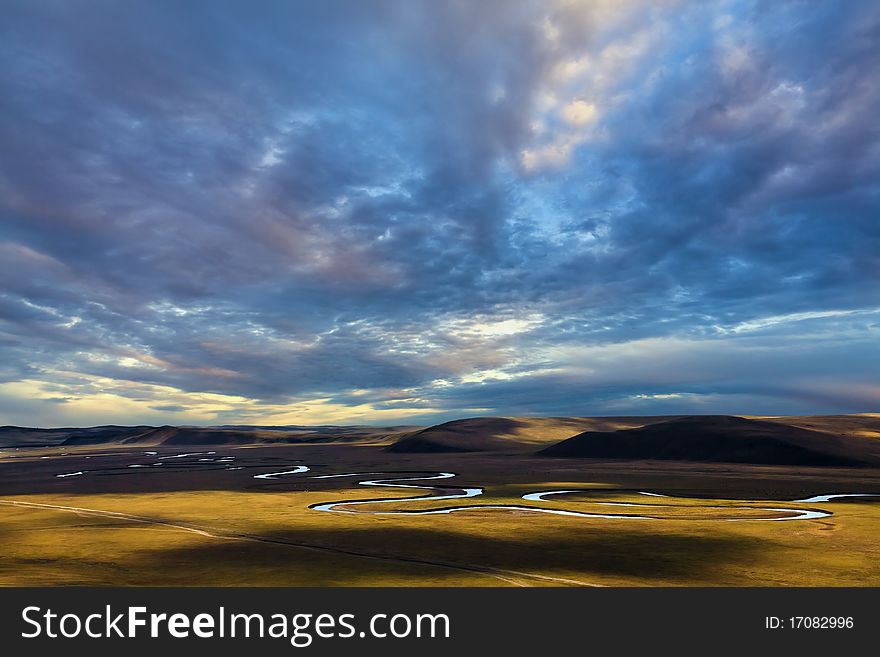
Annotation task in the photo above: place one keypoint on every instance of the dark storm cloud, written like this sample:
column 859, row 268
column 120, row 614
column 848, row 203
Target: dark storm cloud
column 295, row 199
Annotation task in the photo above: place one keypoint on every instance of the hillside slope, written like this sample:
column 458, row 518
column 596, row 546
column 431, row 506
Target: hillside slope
column 498, row 434
column 864, row 425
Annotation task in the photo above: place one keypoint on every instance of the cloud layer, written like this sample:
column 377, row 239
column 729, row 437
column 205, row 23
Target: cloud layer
column 380, row 211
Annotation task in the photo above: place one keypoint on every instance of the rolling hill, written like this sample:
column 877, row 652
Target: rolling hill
column 724, row 439
column 505, row 434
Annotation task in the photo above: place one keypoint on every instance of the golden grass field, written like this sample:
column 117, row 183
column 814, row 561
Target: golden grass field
column 220, row 528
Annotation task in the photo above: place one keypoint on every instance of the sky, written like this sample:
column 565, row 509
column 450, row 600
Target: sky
column 403, row 212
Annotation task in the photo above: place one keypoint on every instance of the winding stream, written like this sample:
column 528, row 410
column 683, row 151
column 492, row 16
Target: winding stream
column 465, row 492
column 834, row 496
column 342, row 506
column 799, row 514
column 274, row 475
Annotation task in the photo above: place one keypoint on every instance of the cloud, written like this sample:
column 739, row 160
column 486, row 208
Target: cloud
column 390, row 207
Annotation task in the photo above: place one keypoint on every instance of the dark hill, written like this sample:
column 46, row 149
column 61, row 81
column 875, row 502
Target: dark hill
column 723, row 439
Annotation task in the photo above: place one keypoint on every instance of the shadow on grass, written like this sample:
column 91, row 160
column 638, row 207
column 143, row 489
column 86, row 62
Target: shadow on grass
column 641, row 555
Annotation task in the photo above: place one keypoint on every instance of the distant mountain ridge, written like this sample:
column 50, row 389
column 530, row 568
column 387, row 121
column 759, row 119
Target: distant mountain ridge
column 11, row 436
column 833, row 440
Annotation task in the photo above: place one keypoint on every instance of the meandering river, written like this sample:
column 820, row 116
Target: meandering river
column 658, row 508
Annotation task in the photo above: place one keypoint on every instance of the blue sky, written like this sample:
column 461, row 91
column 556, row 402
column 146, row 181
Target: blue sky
column 382, row 212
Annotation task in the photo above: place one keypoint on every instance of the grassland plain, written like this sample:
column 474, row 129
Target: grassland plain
column 205, row 519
